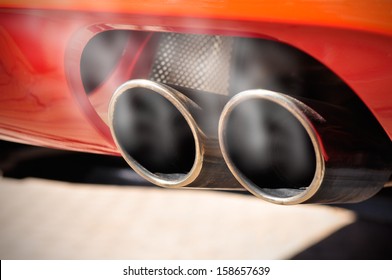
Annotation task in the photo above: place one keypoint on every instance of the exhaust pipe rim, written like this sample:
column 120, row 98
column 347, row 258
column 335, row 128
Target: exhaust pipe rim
column 181, row 104
column 293, row 106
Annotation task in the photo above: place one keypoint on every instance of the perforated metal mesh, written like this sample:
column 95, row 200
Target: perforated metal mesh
column 194, row 61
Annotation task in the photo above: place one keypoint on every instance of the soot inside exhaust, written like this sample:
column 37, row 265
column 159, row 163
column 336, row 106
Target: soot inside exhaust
column 154, row 132
column 270, row 147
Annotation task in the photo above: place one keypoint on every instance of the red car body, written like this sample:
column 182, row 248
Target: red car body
column 42, row 99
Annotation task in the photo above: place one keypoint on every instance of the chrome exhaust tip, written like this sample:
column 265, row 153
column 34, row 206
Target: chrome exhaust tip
column 156, row 130
column 273, row 145
column 140, row 113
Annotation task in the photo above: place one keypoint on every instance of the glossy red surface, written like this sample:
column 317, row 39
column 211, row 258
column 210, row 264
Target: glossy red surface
column 36, row 103
column 42, row 100
column 366, row 15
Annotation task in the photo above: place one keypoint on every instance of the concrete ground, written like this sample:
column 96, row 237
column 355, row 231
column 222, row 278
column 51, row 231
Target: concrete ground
column 43, row 219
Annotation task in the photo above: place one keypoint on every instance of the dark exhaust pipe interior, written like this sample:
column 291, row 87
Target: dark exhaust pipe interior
column 169, row 138
column 283, row 151
column 271, row 147
column 154, row 132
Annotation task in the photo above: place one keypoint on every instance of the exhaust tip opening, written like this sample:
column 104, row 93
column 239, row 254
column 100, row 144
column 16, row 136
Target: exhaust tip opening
column 270, row 147
column 155, row 133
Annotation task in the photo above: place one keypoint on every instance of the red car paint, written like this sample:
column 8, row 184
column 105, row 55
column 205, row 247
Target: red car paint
column 42, row 99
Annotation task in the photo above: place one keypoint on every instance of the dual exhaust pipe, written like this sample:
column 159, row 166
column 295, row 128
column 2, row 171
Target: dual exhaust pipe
column 279, row 148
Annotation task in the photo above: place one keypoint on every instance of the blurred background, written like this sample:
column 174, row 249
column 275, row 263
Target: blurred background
column 65, row 205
